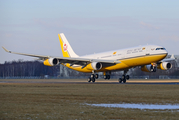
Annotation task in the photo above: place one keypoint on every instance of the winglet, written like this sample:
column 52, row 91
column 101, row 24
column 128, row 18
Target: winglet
column 6, row 50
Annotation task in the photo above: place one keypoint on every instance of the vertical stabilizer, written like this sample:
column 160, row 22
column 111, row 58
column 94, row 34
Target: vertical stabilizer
column 172, row 56
column 67, row 51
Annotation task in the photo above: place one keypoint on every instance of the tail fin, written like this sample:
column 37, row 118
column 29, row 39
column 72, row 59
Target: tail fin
column 67, row 51
column 172, row 56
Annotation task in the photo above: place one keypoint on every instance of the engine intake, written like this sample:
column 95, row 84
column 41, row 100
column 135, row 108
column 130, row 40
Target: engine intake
column 51, row 62
column 165, row 66
column 94, row 66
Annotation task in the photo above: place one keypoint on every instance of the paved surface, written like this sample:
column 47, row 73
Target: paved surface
column 84, row 81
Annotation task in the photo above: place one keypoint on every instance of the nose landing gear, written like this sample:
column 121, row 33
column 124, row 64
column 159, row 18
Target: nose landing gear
column 153, row 67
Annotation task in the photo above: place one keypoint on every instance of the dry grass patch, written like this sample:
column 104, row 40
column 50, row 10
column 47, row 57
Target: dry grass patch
column 67, row 101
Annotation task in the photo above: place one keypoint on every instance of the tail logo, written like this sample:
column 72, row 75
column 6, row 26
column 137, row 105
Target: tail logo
column 65, row 47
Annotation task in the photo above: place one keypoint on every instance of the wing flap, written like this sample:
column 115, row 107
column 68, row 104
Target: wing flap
column 85, row 60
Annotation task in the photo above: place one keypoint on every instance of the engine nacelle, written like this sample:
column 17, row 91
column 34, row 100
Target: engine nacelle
column 148, row 68
column 51, row 62
column 164, row 66
column 94, row 66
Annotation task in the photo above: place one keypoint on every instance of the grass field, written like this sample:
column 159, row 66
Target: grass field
column 68, row 101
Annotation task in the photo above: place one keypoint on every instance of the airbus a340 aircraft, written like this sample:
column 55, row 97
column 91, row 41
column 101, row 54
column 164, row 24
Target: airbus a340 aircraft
column 149, row 57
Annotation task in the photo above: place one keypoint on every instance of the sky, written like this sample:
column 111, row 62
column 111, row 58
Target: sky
column 31, row 26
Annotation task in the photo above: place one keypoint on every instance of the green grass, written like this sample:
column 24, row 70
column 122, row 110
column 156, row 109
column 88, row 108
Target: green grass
column 67, row 101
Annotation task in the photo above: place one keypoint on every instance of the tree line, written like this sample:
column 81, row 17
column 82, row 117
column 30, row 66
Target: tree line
column 36, row 68
column 26, row 68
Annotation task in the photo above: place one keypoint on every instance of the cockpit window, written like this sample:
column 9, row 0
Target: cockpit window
column 160, row 48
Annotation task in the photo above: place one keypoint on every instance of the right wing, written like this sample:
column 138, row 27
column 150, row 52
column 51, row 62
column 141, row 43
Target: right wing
column 169, row 59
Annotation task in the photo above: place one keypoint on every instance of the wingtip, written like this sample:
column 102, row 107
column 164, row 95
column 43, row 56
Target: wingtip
column 5, row 49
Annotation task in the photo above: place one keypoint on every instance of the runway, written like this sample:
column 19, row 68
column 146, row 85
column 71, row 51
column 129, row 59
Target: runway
column 84, row 81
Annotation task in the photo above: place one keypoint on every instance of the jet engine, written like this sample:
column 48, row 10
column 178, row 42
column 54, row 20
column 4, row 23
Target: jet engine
column 148, row 68
column 164, row 66
column 94, row 66
column 51, row 62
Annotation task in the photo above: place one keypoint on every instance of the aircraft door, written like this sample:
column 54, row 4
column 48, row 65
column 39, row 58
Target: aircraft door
column 147, row 50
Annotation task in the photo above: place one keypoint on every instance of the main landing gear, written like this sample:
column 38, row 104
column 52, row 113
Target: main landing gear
column 93, row 77
column 107, row 75
column 124, row 77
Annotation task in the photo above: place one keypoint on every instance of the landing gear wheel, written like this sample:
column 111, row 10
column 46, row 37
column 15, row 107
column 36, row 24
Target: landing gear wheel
column 92, row 76
column 105, row 77
column 108, row 77
column 89, row 79
column 93, row 80
column 124, row 81
column 120, row 80
column 127, row 77
column 96, row 76
column 154, row 69
column 123, row 77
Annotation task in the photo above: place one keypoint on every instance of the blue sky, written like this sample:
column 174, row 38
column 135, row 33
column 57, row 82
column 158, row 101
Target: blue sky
column 32, row 26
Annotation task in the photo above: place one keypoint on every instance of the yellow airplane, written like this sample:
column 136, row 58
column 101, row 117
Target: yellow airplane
column 149, row 57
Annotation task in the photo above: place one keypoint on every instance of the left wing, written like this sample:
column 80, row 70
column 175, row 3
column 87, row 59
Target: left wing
column 71, row 60
column 41, row 57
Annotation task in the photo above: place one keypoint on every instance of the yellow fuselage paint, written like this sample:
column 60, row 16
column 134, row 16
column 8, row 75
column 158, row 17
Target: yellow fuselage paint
column 125, row 63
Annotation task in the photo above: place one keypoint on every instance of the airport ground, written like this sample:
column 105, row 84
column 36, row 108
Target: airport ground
column 67, row 98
